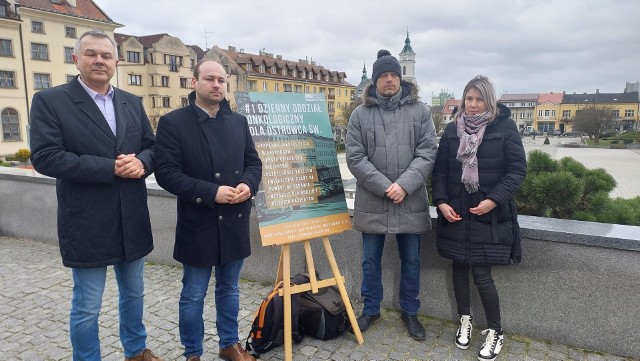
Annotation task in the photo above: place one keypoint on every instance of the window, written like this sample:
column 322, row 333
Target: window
column 152, row 80
column 6, row 48
column 193, row 64
column 39, row 51
column 3, row 11
column 133, row 56
column 10, row 124
column 628, row 113
column 284, row 71
column 261, row 68
column 540, row 113
column 338, row 92
column 184, row 102
column 287, row 87
column 165, row 81
column 547, row 113
column 273, row 70
column 184, row 82
column 265, row 86
column 153, row 102
column 41, row 81
column 70, row 77
column 306, row 89
column 135, row 79
column 249, row 66
column 173, row 61
column 166, row 102
column 616, row 114
column 294, row 73
column 303, row 74
column 277, row 87
column 566, row 113
column 252, row 85
column 37, row 27
column 68, row 55
column 310, row 75
column 7, row 79
column 70, row 32
column 298, row 89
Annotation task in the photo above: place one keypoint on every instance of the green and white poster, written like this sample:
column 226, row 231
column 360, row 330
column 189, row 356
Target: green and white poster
column 301, row 195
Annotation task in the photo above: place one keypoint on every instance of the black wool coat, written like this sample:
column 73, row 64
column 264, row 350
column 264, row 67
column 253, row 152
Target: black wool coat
column 492, row 238
column 102, row 219
column 192, row 162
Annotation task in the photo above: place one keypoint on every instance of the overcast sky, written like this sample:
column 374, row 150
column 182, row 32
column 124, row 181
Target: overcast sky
column 524, row 46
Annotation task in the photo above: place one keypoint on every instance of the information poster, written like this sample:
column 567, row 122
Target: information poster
column 301, row 195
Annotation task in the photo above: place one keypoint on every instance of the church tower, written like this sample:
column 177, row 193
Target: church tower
column 408, row 61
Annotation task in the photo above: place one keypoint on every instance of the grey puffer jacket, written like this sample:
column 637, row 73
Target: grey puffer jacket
column 387, row 146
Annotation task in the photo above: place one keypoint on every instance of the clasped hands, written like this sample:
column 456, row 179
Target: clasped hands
column 233, row 195
column 128, row 166
column 483, row 207
column 395, row 193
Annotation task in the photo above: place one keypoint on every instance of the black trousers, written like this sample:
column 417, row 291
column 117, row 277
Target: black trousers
column 486, row 288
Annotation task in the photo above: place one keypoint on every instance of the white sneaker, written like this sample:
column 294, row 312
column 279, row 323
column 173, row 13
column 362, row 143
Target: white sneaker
column 463, row 336
column 492, row 345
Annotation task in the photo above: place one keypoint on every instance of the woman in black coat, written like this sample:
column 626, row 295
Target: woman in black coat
column 479, row 167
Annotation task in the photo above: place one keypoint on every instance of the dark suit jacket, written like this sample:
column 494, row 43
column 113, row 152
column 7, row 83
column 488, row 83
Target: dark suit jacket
column 102, row 219
column 192, row 162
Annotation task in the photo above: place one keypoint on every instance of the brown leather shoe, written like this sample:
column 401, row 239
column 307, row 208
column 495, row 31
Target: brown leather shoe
column 193, row 358
column 146, row 355
column 235, row 353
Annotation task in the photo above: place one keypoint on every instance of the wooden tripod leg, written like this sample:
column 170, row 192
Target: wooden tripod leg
column 343, row 290
column 285, row 259
column 310, row 266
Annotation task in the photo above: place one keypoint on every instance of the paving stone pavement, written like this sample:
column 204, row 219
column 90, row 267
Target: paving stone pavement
column 35, row 296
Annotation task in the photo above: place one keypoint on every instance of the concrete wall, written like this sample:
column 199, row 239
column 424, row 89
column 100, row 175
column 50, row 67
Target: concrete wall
column 577, row 284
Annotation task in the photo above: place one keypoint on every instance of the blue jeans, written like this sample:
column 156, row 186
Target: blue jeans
column 195, row 282
column 88, row 287
column 371, row 290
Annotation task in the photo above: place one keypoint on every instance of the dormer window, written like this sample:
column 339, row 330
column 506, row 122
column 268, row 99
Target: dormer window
column 284, row 71
column 303, row 74
column 249, row 67
column 261, row 68
column 294, row 73
column 273, row 70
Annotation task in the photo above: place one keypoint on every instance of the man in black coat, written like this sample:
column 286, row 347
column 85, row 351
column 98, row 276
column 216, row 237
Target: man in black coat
column 97, row 142
column 206, row 157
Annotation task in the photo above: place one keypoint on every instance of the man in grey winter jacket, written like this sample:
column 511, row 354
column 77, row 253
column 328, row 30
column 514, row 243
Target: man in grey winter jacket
column 391, row 148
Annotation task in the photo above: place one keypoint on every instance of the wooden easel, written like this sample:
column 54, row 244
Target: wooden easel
column 284, row 273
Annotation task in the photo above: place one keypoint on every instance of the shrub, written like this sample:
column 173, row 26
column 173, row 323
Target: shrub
column 615, row 141
column 573, row 166
column 539, row 161
column 23, row 155
column 627, row 141
column 546, row 140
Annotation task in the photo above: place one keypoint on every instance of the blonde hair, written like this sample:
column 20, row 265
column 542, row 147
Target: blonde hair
column 484, row 86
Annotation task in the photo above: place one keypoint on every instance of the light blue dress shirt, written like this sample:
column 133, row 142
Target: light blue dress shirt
column 104, row 103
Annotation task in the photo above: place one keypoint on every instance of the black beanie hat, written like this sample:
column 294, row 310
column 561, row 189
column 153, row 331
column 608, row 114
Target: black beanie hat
column 385, row 62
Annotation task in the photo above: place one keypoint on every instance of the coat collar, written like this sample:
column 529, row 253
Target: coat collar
column 225, row 108
column 409, row 94
column 87, row 105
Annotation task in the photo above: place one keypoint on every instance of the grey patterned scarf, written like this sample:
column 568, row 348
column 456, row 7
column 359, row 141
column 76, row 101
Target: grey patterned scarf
column 471, row 131
column 389, row 103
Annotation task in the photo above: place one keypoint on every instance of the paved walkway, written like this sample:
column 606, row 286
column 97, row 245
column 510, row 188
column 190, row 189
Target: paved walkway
column 622, row 164
column 35, row 293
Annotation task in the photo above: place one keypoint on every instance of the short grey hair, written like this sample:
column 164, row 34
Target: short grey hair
column 96, row 34
column 484, row 86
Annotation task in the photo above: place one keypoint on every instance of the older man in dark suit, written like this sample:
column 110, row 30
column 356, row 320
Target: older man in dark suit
column 97, row 142
column 205, row 156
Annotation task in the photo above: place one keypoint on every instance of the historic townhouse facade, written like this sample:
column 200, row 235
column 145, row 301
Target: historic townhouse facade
column 625, row 106
column 158, row 69
column 36, row 44
column 522, row 108
column 546, row 116
column 264, row 72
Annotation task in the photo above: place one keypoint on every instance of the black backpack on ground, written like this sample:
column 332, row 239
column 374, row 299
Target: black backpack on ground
column 323, row 314
column 267, row 330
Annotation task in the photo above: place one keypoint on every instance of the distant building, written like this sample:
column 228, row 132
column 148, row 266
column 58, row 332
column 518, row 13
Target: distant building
column 440, row 99
column 547, row 113
column 37, row 38
column 364, row 83
column 522, row 108
column 158, row 69
column 408, row 61
column 264, row 72
column 448, row 108
column 625, row 106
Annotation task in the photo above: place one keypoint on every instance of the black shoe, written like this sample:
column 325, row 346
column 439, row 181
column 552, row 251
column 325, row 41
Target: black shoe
column 415, row 328
column 365, row 321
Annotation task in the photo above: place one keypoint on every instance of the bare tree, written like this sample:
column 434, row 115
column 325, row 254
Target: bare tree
column 345, row 113
column 594, row 120
column 438, row 121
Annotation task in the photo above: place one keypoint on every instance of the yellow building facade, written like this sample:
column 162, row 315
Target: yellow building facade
column 38, row 39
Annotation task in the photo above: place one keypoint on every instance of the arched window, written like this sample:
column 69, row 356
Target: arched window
column 10, row 124
column 404, row 70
